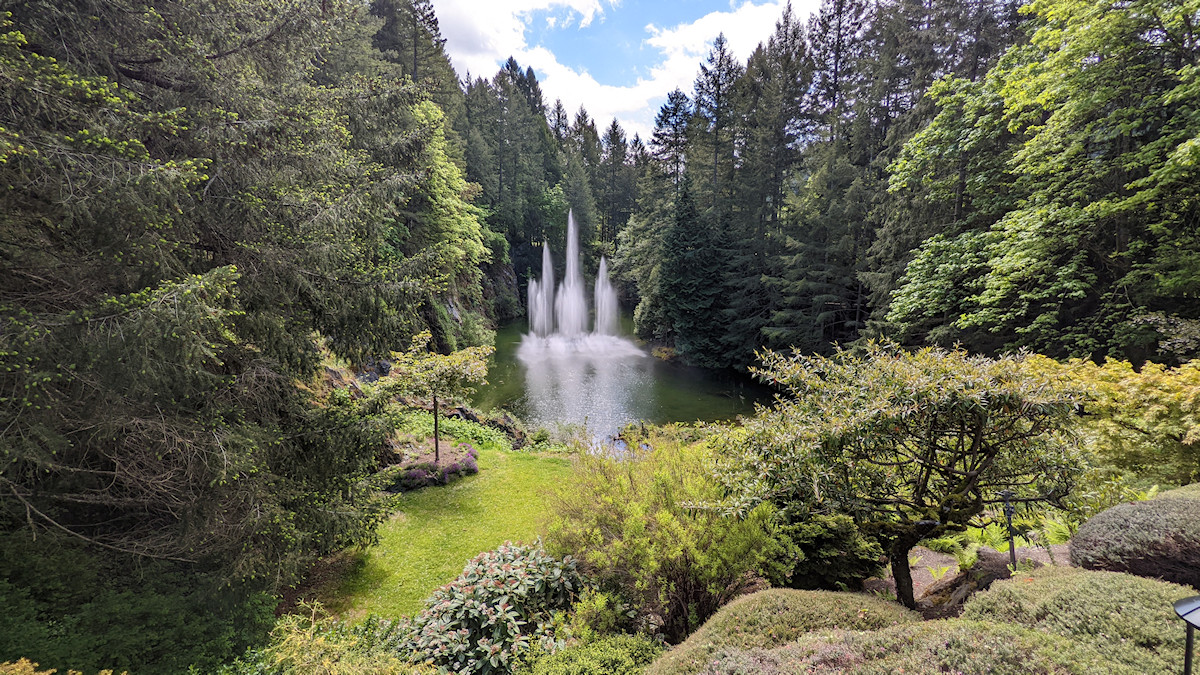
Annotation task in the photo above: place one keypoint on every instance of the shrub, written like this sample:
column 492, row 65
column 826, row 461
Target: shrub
column 777, row 616
column 1186, row 492
column 405, row 477
column 949, row 646
column 27, row 667
column 305, row 646
column 600, row 613
column 638, row 525
column 1158, row 538
column 613, row 655
column 504, row 601
column 830, row 553
column 1125, row 618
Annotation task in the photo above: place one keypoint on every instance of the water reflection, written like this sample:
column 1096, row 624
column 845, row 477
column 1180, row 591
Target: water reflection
column 601, row 381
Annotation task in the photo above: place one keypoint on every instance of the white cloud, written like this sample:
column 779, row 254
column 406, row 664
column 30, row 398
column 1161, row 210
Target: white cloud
column 481, row 36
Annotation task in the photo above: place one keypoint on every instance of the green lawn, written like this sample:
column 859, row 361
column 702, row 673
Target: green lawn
column 436, row 531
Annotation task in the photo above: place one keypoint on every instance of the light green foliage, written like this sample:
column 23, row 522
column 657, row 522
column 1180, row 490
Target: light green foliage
column 1186, row 492
column 1079, row 153
column 1125, row 618
column 911, row 445
column 1158, row 538
column 27, row 667
column 775, row 617
column 423, row 372
column 304, row 645
column 598, row 614
column 614, row 655
column 503, row 603
column 639, row 524
column 925, row 648
column 1145, row 420
column 424, row 544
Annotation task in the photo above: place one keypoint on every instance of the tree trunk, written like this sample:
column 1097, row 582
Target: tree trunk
column 902, row 575
column 437, row 443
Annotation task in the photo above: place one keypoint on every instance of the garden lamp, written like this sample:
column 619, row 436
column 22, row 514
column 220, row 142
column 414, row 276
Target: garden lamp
column 1188, row 609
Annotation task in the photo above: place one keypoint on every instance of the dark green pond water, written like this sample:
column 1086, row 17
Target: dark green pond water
column 606, row 385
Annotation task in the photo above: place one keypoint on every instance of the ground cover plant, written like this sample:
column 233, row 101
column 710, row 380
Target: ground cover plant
column 927, row 647
column 774, row 617
column 1127, row 619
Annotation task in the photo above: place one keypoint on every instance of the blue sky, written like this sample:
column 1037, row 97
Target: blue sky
column 617, row 58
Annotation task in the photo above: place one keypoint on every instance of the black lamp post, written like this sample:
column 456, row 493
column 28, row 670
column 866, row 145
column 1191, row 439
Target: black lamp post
column 1188, row 609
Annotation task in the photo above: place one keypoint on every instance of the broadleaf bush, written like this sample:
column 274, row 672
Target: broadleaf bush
column 504, row 602
column 641, row 526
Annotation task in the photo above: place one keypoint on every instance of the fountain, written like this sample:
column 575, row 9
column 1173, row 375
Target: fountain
column 573, row 375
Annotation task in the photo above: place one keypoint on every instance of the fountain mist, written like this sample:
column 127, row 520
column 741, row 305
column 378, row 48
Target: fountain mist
column 573, row 375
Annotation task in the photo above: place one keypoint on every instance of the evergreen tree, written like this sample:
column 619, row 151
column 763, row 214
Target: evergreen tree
column 690, row 282
column 669, row 141
column 713, row 131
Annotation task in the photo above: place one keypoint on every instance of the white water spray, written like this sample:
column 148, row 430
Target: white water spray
column 565, row 365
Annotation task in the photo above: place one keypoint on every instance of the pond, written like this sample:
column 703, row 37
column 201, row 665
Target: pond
column 606, row 382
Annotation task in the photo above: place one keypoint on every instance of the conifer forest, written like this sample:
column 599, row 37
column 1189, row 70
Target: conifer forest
column 241, row 241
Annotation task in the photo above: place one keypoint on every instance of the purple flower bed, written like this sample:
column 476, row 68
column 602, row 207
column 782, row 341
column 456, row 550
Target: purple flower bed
column 424, row 474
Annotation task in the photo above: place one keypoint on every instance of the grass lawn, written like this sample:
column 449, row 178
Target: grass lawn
column 435, row 531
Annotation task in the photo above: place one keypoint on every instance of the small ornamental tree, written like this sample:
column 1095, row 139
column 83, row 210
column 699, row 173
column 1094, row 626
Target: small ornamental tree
column 911, row 445
column 425, row 373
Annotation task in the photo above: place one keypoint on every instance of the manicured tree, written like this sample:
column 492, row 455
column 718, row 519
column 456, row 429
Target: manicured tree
column 911, row 445
column 422, row 372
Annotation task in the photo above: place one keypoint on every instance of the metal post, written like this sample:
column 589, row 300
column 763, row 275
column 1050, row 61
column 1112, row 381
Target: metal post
column 1187, row 651
column 1188, row 609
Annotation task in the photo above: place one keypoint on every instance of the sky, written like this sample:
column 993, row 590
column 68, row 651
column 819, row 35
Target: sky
column 616, row 58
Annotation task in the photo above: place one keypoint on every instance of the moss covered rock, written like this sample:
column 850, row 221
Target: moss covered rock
column 774, row 617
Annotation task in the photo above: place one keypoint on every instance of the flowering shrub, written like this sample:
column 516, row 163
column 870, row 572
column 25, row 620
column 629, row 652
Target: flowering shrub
column 423, row 474
column 504, row 602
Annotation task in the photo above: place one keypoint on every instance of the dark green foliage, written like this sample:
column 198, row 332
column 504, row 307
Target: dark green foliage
column 502, row 604
column 831, row 553
column 690, row 281
column 65, row 607
column 1127, row 619
column 616, row 655
column 775, row 617
column 1159, row 538
column 926, row 648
